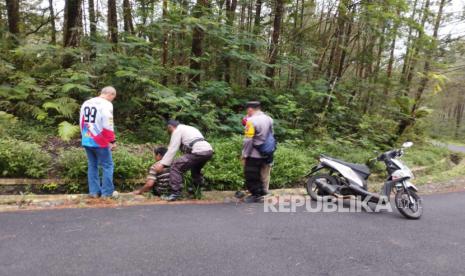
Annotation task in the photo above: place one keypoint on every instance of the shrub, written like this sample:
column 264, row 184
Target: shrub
column 23, row 159
column 129, row 163
column 425, row 155
column 292, row 163
column 72, row 163
column 225, row 171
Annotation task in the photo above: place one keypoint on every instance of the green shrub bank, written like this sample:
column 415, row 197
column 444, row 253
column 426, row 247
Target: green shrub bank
column 293, row 160
column 23, row 159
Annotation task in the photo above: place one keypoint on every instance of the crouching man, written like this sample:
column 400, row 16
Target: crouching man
column 159, row 183
column 196, row 153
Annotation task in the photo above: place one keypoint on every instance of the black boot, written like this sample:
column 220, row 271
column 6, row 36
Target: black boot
column 254, row 199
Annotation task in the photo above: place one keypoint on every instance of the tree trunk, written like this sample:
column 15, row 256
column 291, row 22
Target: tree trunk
column 392, row 49
column 256, row 31
column 347, row 31
column 72, row 23
column 230, row 15
column 182, row 56
column 92, row 20
column 72, row 29
column 426, row 69
column 52, row 22
column 274, row 45
column 408, row 46
column 12, row 7
column 458, row 119
column 127, row 17
column 112, row 22
column 417, row 47
column 164, row 58
column 197, row 39
column 429, row 56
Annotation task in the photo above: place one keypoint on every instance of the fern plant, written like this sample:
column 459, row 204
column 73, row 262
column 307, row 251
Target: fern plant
column 67, row 131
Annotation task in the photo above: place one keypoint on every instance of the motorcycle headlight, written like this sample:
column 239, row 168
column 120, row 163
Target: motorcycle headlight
column 401, row 174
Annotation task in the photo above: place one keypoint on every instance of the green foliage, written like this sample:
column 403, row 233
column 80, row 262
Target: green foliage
column 23, row 159
column 292, row 163
column 130, row 163
column 26, row 131
column 330, row 94
column 6, row 120
column 66, row 131
column 224, row 171
column 50, row 187
column 72, row 163
column 425, row 155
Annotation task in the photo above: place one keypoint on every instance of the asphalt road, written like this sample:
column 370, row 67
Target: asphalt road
column 456, row 148
column 225, row 239
column 451, row 147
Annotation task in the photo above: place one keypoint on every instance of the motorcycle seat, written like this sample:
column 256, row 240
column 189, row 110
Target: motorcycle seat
column 360, row 168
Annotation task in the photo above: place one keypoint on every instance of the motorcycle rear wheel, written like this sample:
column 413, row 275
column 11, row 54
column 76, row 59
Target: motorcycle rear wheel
column 409, row 209
column 312, row 188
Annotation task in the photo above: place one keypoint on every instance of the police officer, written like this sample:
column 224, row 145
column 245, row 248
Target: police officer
column 258, row 127
column 196, row 153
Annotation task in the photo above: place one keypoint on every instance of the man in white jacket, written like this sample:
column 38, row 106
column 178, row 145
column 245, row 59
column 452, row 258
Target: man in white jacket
column 98, row 139
column 196, row 153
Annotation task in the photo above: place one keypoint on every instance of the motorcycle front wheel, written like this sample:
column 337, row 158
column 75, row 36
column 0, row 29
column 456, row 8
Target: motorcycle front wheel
column 409, row 204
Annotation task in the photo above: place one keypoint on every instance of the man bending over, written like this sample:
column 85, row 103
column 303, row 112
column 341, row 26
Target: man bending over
column 196, row 153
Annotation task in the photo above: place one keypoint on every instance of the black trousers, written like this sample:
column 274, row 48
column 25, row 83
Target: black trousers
column 252, row 175
column 192, row 162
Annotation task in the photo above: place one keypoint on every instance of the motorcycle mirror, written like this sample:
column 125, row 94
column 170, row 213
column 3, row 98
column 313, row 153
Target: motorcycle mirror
column 407, row 144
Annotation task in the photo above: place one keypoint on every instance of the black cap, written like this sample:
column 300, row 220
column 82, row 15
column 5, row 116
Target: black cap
column 172, row 122
column 253, row 104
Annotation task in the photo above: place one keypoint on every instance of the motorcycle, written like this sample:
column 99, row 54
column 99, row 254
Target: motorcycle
column 344, row 180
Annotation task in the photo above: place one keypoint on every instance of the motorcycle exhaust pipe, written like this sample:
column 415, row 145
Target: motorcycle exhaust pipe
column 363, row 193
column 328, row 188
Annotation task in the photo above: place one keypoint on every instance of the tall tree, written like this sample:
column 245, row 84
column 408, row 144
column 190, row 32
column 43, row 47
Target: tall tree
column 417, row 47
column 12, row 8
column 127, row 17
column 274, row 45
column 197, row 39
column 425, row 76
column 392, row 48
column 112, row 22
column 164, row 58
column 256, row 32
column 92, row 20
column 182, row 54
column 430, row 52
column 52, row 22
column 72, row 23
column 230, row 16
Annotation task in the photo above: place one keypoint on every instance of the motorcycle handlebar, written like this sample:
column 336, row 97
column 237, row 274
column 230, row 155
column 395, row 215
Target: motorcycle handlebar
column 390, row 154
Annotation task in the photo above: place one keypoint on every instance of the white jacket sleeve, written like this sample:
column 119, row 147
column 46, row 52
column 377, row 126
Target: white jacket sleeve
column 175, row 144
column 108, row 129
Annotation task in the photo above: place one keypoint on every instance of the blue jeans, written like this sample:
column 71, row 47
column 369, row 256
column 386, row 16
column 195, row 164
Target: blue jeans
column 102, row 157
